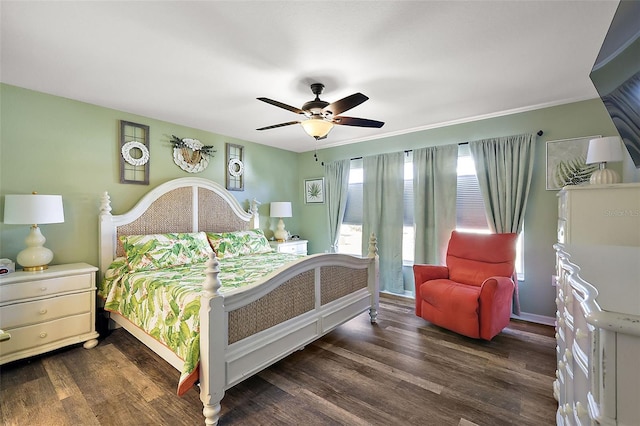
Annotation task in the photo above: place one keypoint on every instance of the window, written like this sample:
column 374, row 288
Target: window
column 470, row 215
column 350, row 241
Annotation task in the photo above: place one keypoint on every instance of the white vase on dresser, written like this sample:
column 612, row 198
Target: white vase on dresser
column 598, row 305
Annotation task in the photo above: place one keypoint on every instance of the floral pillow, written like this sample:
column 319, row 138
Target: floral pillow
column 157, row 251
column 232, row 244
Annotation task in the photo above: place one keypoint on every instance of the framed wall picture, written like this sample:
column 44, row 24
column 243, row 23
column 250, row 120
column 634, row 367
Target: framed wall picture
column 566, row 162
column 134, row 153
column 314, row 191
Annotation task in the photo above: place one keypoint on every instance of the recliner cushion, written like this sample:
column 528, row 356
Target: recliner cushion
column 472, row 258
column 451, row 305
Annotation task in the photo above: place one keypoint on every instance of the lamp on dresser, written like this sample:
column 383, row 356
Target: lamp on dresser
column 601, row 151
column 33, row 209
column 280, row 209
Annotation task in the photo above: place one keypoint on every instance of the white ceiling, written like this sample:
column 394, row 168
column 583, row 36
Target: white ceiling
column 202, row 64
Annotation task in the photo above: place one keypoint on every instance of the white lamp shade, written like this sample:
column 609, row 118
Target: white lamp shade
column 317, row 127
column 280, row 209
column 33, row 209
column 602, row 150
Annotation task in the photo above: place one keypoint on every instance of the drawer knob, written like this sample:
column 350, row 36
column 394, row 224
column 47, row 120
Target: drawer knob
column 43, row 289
column 580, row 410
column 43, row 335
column 42, row 311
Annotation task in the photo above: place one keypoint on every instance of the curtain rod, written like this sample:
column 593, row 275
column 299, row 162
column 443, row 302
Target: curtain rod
column 539, row 133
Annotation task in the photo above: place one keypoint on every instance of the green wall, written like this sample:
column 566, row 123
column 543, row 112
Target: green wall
column 562, row 122
column 54, row 145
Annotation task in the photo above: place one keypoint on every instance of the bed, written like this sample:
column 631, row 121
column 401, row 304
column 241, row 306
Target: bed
column 243, row 329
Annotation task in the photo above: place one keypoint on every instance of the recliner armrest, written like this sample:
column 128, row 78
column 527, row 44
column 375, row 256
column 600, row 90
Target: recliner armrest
column 496, row 294
column 422, row 273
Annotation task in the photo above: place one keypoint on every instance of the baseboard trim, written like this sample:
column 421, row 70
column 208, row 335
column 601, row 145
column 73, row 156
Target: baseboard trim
column 535, row 318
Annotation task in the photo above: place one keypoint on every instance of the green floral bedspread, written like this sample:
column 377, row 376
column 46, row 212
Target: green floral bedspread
column 165, row 303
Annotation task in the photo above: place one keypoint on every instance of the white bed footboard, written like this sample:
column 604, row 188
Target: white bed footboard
column 250, row 328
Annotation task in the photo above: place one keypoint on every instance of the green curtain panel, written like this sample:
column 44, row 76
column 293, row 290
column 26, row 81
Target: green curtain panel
column 434, row 204
column 337, row 184
column 504, row 167
column 383, row 215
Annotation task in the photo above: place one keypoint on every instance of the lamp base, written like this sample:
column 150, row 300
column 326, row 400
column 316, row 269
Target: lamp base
column 35, row 257
column 34, row 268
column 604, row 177
column 280, row 234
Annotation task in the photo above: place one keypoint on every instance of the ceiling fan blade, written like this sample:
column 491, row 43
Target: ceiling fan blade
column 359, row 122
column 275, row 126
column 345, row 104
column 281, row 105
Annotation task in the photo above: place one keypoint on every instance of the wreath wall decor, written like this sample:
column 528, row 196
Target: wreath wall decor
column 126, row 153
column 235, row 167
column 191, row 155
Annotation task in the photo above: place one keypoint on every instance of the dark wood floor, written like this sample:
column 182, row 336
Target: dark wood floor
column 401, row 371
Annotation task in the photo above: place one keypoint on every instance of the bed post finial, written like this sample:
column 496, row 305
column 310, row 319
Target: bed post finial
column 105, row 203
column 255, row 218
column 373, row 245
column 212, row 283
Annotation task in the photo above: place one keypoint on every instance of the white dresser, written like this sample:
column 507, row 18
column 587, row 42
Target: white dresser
column 290, row 246
column 47, row 310
column 598, row 305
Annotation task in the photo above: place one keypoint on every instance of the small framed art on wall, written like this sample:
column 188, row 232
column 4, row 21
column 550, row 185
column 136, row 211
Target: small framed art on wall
column 314, row 191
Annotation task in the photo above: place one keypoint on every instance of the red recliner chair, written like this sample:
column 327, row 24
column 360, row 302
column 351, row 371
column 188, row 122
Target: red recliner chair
column 472, row 295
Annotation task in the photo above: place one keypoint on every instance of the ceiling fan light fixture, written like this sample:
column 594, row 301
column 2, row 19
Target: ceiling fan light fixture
column 317, row 127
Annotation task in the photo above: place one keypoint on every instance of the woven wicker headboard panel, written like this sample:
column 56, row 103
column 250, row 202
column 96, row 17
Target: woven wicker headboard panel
column 215, row 214
column 173, row 212
column 187, row 204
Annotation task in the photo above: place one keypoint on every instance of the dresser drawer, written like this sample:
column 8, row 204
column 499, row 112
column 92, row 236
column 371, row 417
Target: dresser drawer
column 21, row 314
column 45, row 287
column 36, row 335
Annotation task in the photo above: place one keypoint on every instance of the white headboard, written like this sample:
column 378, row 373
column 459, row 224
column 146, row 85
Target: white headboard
column 181, row 205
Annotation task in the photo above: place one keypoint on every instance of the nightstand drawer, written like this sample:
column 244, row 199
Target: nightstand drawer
column 45, row 287
column 21, row 314
column 292, row 248
column 48, row 332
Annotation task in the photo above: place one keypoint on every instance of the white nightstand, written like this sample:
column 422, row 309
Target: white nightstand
column 290, row 246
column 47, row 310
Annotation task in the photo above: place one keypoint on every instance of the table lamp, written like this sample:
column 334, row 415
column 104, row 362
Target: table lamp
column 601, row 151
column 33, row 209
column 280, row 209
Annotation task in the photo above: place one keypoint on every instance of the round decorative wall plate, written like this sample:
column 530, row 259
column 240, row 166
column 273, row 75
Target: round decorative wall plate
column 126, row 153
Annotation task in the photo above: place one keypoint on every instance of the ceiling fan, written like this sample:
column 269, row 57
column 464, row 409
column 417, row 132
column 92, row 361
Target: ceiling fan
column 321, row 116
